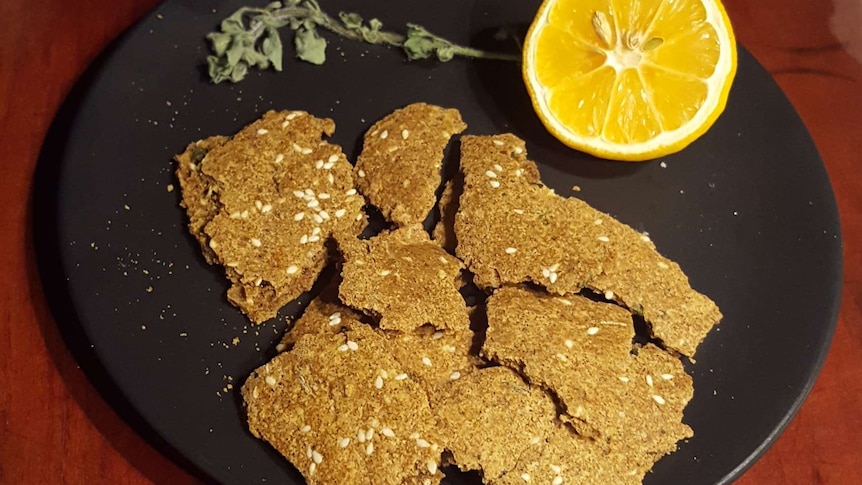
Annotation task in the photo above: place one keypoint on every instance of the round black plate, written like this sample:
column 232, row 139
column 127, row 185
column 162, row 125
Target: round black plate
column 747, row 211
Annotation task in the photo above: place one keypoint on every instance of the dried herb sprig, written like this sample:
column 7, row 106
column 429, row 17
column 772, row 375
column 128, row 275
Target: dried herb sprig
column 249, row 38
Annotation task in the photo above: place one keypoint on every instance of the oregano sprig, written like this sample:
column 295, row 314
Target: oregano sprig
column 250, row 38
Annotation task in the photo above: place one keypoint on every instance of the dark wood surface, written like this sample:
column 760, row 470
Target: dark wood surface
column 56, row 429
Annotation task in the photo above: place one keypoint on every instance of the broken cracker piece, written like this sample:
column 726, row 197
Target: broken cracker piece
column 405, row 279
column 326, row 407
column 512, row 229
column 402, row 155
column 273, row 194
column 581, row 351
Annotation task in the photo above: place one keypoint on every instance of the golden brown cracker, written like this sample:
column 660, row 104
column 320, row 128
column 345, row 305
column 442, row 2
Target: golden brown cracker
column 326, row 406
column 405, row 279
column 512, row 229
column 399, row 168
column 277, row 194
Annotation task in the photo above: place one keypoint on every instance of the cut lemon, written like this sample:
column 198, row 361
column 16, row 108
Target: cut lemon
column 629, row 79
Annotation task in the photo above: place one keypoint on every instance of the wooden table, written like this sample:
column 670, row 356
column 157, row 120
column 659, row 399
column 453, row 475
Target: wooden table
column 54, row 426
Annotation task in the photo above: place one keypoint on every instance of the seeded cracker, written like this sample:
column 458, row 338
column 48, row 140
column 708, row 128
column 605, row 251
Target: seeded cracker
column 405, row 279
column 272, row 196
column 512, row 229
column 325, row 314
column 399, row 167
column 580, row 350
column 491, row 417
column 325, row 406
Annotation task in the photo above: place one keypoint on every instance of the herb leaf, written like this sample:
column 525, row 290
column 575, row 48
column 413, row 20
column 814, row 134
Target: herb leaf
column 249, row 38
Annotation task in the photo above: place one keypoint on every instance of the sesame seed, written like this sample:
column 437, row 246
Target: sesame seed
column 317, row 457
column 328, row 165
column 308, row 452
column 262, row 131
column 234, row 215
column 565, row 301
column 313, row 238
column 374, row 422
column 280, row 347
column 270, row 381
column 556, row 469
column 350, row 192
column 519, row 172
column 258, row 204
column 378, row 383
column 335, row 315
column 558, row 480
column 511, row 250
column 524, row 476
column 518, row 150
column 414, row 436
column 449, row 348
column 518, row 211
column 535, row 440
column 352, row 345
column 421, row 443
column 624, row 378
column 432, row 467
column 649, row 380
column 604, row 239
column 312, row 468
column 333, row 158
column 306, row 151
column 299, row 194
column 292, row 115
column 285, row 123
column 562, row 357
column 213, row 244
column 266, row 208
column 384, row 135
column 360, row 436
column 318, row 218
column 258, row 281
column 297, row 148
column 361, row 173
column 498, row 143
column 609, row 295
column 597, row 222
column 313, row 203
column 405, row 134
column 667, row 377
column 369, row 449
column 292, row 269
column 359, row 216
column 645, row 238
column 546, row 272
column 340, row 213
column 343, row 348
column 324, row 215
column 401, row 377
column 553, row 277
column 663, row 265
column 344, row 442
column 256, row 242
column 318, row 164
column 494, row 184
column 491, row 173
column 569, row 343
column 660, row 400
column 279, row 158
column 455, row 376
column 255, row 393
column 369, row 435
column 592, row 330
column 323, row 196
column 335, row 321
column 387, row 432
column 303, row 239
column 426, row 361
column 299, row 216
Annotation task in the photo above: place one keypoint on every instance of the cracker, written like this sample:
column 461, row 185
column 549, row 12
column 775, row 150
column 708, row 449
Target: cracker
column 581, row 351
column 512, row 229
column 324, row 314
column 491, row 417
column 405, row 279
column 325, row 406
column 276, row 194
column 399, row 168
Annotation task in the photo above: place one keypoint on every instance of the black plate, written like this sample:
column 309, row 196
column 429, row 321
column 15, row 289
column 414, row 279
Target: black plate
column 747, row 211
